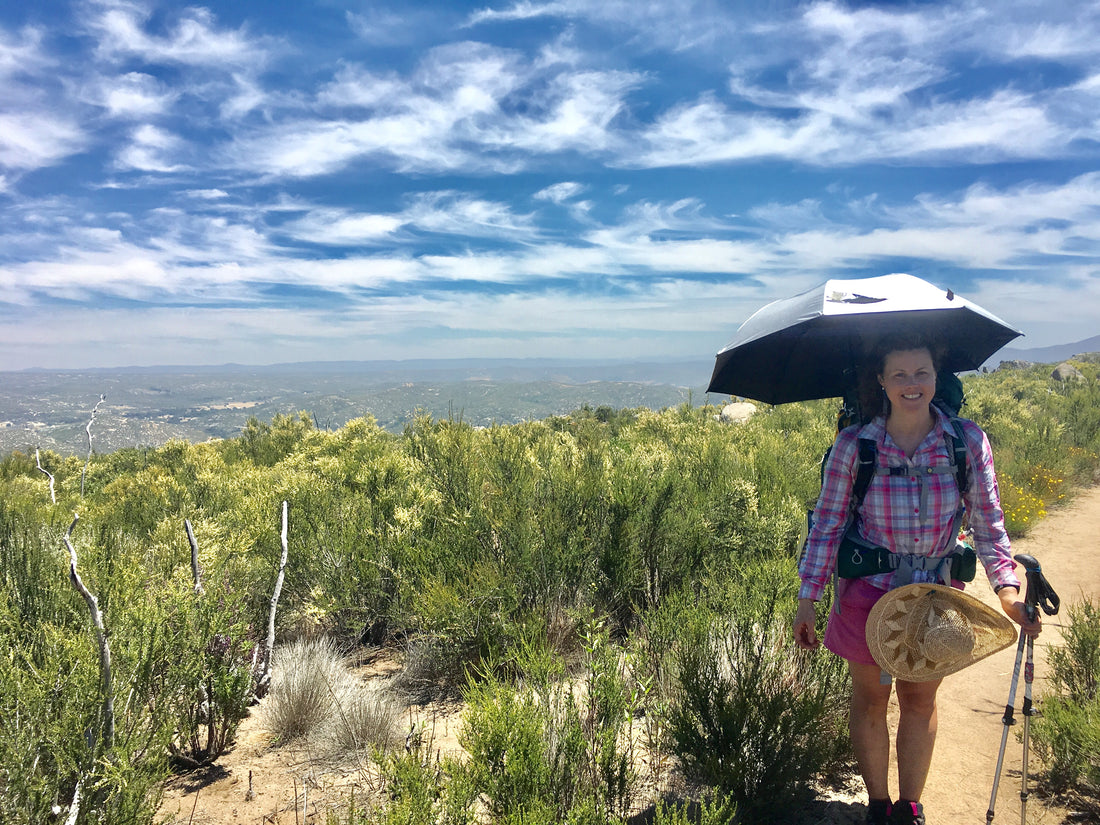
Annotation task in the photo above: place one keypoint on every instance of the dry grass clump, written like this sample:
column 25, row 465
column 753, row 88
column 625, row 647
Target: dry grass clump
column 314, row 695
column 364, row 718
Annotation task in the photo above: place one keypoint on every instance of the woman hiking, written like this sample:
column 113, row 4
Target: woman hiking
column 916, row 518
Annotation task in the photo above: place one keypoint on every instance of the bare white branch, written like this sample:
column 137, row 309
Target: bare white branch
column 264, row 681
column 88, row 430
column 101, row 638
column 196, row 568
column 49, row 475
column 74, row 808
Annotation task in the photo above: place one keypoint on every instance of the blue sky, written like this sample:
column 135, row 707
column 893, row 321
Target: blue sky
column 261, row 182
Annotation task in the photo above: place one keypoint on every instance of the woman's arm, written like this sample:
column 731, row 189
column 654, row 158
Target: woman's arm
column 830, row 515
column 983, row 503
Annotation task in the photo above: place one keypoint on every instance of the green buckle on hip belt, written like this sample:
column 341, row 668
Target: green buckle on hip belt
column 857, row 558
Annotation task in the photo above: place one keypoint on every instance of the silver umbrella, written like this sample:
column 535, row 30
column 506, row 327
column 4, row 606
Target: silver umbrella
column 809, row 346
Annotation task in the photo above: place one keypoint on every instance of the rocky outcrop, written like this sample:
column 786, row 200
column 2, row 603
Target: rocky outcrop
column 1067, row 372
column 737, row 413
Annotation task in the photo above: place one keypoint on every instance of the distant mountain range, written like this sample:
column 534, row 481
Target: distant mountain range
column 1046, row 355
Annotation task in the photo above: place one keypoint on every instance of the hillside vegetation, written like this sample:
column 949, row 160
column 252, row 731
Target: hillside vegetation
column 649, row 556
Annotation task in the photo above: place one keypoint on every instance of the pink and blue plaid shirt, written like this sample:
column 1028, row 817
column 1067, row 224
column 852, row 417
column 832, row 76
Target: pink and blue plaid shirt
column 908, row 514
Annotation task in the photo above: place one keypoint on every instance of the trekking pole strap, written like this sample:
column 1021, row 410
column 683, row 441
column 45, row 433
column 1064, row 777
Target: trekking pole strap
column 1040, row 593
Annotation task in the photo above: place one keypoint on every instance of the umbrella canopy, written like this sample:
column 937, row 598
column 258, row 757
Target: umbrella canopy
column 808, row 346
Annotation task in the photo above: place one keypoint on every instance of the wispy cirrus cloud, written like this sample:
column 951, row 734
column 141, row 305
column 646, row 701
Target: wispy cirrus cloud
column 133, row 95
column 38, row 139
column 194, row 37
column 560, row 192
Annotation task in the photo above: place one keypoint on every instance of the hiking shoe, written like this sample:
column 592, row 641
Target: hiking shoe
column 907, row 813
column 878, row 812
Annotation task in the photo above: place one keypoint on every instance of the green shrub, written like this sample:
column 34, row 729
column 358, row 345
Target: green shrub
column 1067, row 739
column 1067, row 734
column 51, row 687
column 554, row 750
column 1075, row 667
column 420, row 792
column 755, row 717
column 525, row 758
column 210, row 675
column 718, row 811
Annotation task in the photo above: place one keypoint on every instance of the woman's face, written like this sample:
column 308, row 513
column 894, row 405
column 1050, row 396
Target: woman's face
column 909, row 378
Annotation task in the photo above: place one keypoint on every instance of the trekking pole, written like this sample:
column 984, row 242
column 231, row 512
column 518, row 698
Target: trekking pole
column 1039, row 593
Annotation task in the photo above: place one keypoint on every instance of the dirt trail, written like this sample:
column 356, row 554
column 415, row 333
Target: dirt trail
column 972, row 702
column 971, row 706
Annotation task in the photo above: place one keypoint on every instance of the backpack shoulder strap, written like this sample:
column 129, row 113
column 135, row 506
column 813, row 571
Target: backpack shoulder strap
column 865, row 471
column 959, row 455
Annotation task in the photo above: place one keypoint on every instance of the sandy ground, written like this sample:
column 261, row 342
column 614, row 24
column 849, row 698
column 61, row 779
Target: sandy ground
column 255, row 784
column 972, row 702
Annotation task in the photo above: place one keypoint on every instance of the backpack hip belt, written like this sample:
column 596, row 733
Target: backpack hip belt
column 857, row 558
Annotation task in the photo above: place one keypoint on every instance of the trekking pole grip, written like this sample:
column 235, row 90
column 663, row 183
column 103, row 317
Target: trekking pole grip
column 1039, row 592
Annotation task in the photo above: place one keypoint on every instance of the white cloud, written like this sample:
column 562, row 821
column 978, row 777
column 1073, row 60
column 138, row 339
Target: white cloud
column 705, row 133
column 577, row 113
column 523, row 10
column 342, row 228
column 194, row 38
column 423, row 123
column 1004, row 126
column 33, row 139
column 208, row 194
column 1057, row 41
column 22, row 54
column 1033, row 228
column 560, row 192
column 152, row 149
column 877, row 28
column 355, row 85
column 1073, row 204
column 456, row 214
column 865, row 85
column 246, row 97
column 131, row 95
column 381, row 27
column 682, row 26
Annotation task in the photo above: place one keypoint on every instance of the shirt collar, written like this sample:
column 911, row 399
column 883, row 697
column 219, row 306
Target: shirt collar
column 876, row 429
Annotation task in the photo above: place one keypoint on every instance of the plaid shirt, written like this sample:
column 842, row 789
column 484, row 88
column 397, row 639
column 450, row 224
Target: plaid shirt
column 907, row 514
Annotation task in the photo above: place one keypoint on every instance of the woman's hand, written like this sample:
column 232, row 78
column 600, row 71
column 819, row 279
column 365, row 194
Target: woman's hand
column 805, row 625
column 1015, row 609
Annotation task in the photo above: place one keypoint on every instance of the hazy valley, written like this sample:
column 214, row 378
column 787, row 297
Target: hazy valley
column 51, row 409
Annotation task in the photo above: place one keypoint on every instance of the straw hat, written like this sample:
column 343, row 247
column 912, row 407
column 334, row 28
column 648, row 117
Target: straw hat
column 921, row 632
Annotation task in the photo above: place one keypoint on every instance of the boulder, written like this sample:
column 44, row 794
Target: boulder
column 1067, row 372
column 1014, row 365
column 738, row 412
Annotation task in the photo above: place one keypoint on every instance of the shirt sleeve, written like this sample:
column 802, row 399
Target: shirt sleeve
column 830, row 515
column 983, row 502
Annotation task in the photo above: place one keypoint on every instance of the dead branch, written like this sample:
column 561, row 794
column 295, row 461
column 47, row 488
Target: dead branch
column 264, row 681
column 88, row 430
column 74, row 808
column 49, row 475
column 104, row 660
column 196, row 568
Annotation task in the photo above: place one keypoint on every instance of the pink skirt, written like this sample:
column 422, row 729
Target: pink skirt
column 846, row 632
